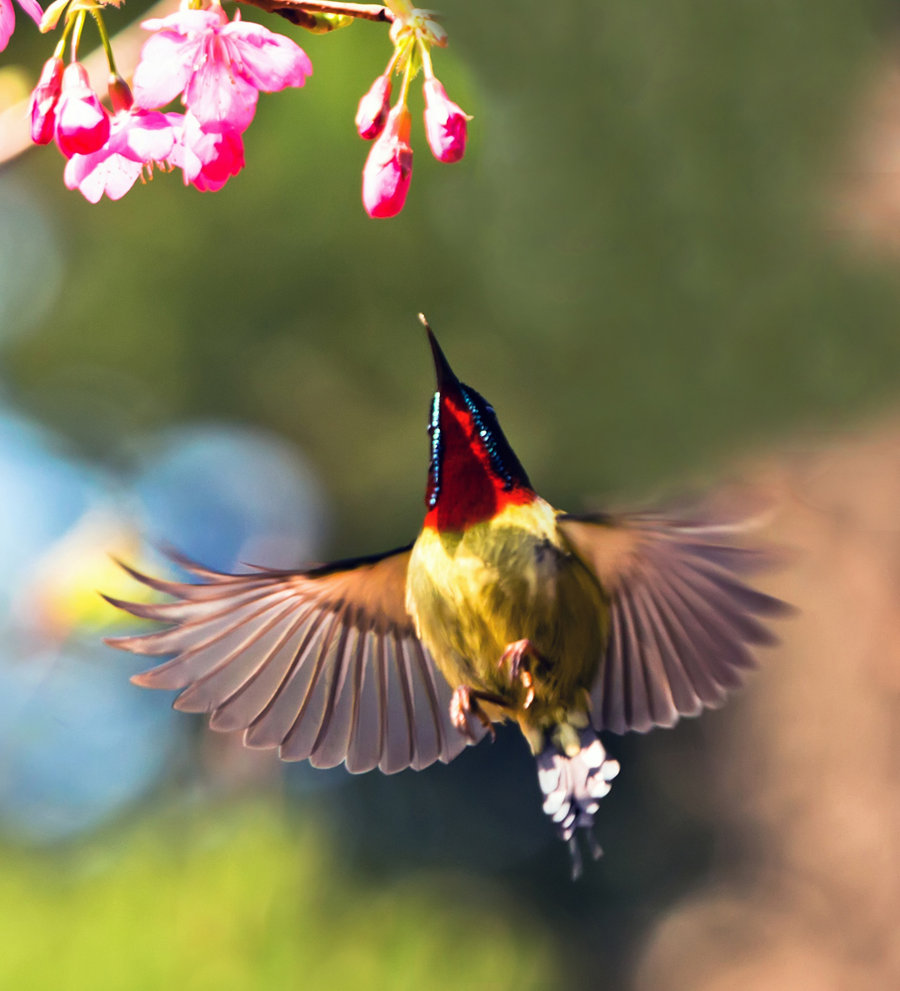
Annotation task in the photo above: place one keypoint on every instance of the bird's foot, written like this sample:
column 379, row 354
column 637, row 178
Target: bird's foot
column 465, row 703
column 516, row 657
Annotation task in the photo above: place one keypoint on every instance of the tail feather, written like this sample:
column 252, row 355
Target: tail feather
column 572, row 787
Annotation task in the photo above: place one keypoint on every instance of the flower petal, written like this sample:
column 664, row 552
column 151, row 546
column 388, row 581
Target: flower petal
column 188, row 23
column 7, row 22
column 146, row 136
column 270, row 61
column 33, row 9
column 228, row 161
column 217, row 95
column 207, row 157
column 101, row 173
column 187, row 152
column 164, row 69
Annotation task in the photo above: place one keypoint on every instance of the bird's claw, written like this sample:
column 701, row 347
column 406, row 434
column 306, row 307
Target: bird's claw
column 464, row 703
column 516, row 658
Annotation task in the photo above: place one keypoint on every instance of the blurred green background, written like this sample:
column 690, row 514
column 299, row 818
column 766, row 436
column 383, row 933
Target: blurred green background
column 633, row 263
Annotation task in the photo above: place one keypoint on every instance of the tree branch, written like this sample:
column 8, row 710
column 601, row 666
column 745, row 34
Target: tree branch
column 298, row 11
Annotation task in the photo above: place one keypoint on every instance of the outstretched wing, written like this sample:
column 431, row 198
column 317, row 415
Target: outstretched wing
column 322, row 664
column 682, row 619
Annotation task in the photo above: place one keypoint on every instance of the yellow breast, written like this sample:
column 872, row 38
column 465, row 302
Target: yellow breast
column 510, row 578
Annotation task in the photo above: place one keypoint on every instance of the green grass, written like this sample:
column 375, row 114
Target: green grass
column 243, row 897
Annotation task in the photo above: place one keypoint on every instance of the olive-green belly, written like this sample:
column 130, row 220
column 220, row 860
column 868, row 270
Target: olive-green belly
column 473, row 593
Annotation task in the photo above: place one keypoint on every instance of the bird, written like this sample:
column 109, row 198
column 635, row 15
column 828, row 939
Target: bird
column 503, row 609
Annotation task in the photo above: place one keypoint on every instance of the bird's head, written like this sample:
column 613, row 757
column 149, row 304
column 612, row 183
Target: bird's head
column 473, row 472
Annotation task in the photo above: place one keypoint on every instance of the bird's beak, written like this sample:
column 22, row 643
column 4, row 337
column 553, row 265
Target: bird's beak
column 446, row 380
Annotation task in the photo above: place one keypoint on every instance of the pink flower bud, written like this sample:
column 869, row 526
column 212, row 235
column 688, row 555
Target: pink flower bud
column 373, row 108
column 44, row 99
column 82, row 124
column 120, row 94
column 388, row 168
column 445, row 123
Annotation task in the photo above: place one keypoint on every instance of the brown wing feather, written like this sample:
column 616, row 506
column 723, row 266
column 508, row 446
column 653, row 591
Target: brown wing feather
column 323, row 664
column 681, row 616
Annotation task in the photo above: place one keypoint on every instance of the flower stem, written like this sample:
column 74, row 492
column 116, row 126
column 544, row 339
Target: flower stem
column 392, row 64
column 408, row 73
column 427, row 67
column 76, row 34
column 64, row 38
column 104, row 39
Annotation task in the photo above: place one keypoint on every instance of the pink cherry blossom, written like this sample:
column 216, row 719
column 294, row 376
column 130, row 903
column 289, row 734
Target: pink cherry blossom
column 218, row 66
column 44, row 99
column 82, row 123
column 388, row 169
column 137, row 138
column 8, row 18
column 373, row 108
column 445, row 123
column 207, row 157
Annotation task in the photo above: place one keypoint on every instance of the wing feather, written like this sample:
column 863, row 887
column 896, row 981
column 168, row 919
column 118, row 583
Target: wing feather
column 364, row 749
column 682, row 617
column 399, row 751
column 611, row 691
column 313, row 715
column 323, row 664
column 661, row 709
column 234, row 667
column 333, row 740
column 264, row 675
column 290, row 703
column 427, row 713
column 681, row 691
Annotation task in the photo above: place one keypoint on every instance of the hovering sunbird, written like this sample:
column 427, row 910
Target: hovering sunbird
column 503, row 609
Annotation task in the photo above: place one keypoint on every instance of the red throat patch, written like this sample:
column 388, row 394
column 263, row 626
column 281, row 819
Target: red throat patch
column 471, row 491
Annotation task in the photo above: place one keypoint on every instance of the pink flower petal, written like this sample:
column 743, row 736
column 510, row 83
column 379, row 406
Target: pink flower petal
column 99, row 173
column 137, row 137
column 228, row 161
column 187, row 27
column 33, row 9
column 216, row 94
column 191, row 145
column 163, row 71
column 144, row 136
column 188, row 23
column 208, row 158
column 168, row 58
column 270, row 61
column 7, row 22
